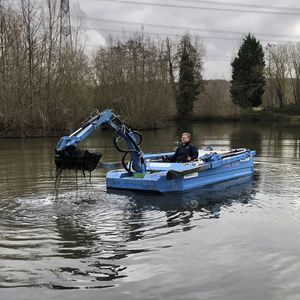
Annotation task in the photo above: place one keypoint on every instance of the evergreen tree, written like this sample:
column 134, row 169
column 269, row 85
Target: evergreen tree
column 248, row 80
column 189, row 77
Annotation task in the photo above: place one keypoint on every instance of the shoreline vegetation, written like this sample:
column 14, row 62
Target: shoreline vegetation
column 50, row 83
column 272, row 118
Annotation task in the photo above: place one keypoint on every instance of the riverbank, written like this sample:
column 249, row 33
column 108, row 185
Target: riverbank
column 268, row 117
column 257, row 116
column 31, row 134
column 283, row 116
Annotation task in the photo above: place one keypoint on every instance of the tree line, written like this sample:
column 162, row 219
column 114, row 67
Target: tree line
column 43, row 81
column 138, row 77
column 49, row 84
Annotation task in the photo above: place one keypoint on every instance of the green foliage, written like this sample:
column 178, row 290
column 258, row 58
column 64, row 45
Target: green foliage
column 189, row 77
column 248, row 80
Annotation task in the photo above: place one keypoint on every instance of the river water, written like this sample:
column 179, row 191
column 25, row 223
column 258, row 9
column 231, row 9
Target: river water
column 235, row 240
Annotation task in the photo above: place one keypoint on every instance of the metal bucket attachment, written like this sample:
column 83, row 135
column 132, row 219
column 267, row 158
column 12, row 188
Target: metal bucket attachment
column 75, row 159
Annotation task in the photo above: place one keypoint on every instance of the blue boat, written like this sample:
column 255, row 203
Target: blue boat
column 165, row 177
column 235, row 190
column 149, row 172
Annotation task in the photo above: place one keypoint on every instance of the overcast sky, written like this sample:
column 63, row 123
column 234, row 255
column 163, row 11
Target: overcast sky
column 220, row 23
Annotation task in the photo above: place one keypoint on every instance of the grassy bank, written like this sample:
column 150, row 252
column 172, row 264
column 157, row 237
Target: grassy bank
column 269, row 117
column 249, row 116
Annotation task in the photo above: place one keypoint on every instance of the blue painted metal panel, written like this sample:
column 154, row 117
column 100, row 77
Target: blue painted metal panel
column 204, row 174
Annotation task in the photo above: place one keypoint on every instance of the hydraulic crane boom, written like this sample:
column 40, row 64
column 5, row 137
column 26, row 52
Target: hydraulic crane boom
column 67, row 156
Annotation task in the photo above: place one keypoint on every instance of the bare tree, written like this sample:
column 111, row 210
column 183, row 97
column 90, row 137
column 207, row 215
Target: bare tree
column 277, row 72
column 172, row 57
column 131, row 74
column 39, row 93
column 294, row 69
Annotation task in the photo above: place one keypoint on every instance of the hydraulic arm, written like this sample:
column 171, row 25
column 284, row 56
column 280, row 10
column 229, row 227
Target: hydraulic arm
column 68, row 156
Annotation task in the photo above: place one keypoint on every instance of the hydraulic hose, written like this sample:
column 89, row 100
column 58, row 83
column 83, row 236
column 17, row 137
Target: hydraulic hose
column 124, row 163
column 136, row 144
column 115, row 142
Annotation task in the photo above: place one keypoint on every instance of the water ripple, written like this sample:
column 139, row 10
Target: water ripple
column 94, row 229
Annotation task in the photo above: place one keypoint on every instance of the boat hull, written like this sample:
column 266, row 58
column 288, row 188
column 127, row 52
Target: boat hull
column 189, row 178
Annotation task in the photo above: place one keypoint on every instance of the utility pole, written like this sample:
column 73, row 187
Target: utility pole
column 65, row 24
column 2, row 41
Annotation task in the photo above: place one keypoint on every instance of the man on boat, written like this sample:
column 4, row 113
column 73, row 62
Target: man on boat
column 185, row 152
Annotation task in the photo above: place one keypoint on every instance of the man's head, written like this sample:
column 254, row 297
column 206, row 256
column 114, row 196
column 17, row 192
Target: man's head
column 185, row 137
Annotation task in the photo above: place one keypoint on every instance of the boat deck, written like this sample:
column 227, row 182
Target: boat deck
column 211, row 167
